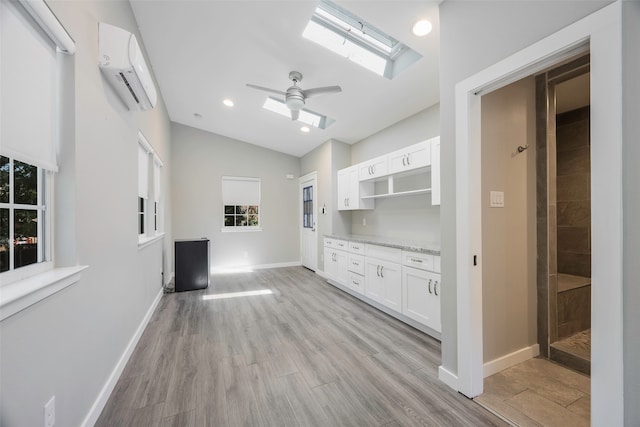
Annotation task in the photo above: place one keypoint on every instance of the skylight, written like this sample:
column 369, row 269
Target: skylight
column 349, row 36
column 306, row 116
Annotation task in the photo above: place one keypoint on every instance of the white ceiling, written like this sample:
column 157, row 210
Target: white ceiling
column 204, row 51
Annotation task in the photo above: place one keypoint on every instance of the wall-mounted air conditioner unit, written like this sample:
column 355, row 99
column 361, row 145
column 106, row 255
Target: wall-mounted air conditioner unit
column 123, row 65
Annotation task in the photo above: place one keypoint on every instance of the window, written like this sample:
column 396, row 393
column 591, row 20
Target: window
column 350, row 36
column 157, row 193
column 305, row 116
column 307, row 207
column 22, row 214
column 241, row 204
column 149, row 197
column 144, row 152
column 31, row 42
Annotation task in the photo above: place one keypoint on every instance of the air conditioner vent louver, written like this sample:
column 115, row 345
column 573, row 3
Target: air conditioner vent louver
column 126, row 82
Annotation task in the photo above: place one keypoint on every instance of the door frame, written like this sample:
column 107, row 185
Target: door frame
column 311, row 176
column 601, row 33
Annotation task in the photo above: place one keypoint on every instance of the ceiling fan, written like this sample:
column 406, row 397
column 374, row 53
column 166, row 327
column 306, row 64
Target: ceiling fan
column 295, row 96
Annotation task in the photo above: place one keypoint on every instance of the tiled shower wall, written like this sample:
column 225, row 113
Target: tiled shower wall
column 573, row 193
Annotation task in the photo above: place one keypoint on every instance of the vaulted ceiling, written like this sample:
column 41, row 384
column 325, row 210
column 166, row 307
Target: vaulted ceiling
column 205, row 51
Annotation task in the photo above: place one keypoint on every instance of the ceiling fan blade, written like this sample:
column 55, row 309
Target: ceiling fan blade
column 308, row 93
column 266, row 89
column 295, row 114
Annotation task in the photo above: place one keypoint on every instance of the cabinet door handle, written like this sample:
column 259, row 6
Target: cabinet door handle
column 435, row 288
column 408, row 159
column 404, row 160
column 382, row 271
column 373, row 168
column 430, row 286
column 378, row 271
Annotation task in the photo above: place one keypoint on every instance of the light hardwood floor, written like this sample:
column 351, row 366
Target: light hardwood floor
column 306, row 355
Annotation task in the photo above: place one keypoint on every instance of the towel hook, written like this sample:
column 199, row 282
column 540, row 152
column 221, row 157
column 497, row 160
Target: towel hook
column 521, row 148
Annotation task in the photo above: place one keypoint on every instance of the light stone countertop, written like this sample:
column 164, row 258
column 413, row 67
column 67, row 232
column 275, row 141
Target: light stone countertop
column 421, row 247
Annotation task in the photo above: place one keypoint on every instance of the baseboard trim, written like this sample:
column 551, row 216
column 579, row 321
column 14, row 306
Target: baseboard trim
column 103, row 397
column 448, row 378
column 277, row 265
column 322, row 274
column 508, row 360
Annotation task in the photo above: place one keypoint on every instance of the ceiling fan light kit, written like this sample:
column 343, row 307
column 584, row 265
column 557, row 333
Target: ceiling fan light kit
column 295, row 96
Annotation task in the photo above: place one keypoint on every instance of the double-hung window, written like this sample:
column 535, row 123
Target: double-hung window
column 31, row 42
column 241, row 204
column 157, row 193
column 149, row 191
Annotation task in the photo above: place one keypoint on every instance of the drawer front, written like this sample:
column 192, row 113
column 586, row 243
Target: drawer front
column 384, row 253
column 418, row 260
column 356, row 263
column 356, row 248
column 335, row 243
column 343, row 245
column 356, row 282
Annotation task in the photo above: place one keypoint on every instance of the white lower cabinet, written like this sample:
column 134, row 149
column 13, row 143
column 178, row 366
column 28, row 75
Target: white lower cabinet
column 407, row 283
column 336, row 265
column 383, row 282
column 421, row 296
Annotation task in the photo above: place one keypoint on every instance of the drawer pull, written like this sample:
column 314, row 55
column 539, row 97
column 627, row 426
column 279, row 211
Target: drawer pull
column 357, row 248
column 416, row 260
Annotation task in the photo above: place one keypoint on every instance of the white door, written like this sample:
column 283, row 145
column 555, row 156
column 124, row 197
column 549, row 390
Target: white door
column 308, row 234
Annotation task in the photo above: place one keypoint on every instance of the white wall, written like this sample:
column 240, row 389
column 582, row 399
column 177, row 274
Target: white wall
column 200, row 159
column 68, row 344
column 631, row 177
column 509, row 234
column 410, row 218
column 474, row 35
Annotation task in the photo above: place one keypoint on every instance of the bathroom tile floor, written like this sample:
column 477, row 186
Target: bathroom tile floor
column 579, row 345
column 538, row 392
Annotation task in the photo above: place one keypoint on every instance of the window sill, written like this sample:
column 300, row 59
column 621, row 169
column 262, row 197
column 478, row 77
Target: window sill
column 143, row 242
column 19, row 295
column 239, row 229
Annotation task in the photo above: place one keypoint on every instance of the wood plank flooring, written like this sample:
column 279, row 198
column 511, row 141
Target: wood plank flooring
column 305, row 355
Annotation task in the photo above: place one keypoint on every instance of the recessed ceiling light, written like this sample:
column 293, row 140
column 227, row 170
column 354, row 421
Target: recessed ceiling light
column 305, row 129
column 422, row 28
column 228, row 102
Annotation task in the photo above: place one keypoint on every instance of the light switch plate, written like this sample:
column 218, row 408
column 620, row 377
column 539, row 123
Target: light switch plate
column 497, row 199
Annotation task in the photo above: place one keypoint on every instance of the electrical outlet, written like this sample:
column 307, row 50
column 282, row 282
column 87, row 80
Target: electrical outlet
column 50, row 412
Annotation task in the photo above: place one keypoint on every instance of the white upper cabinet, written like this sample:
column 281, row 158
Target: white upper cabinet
column 374, row 168
column 351, row 191
column 410, row 158
column 356, row 184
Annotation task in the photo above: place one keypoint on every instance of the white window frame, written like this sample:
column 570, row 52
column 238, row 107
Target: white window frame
column 44, row 234
column 237, row 202
column 158, row 219
column 25, row 286
column 152, row 201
